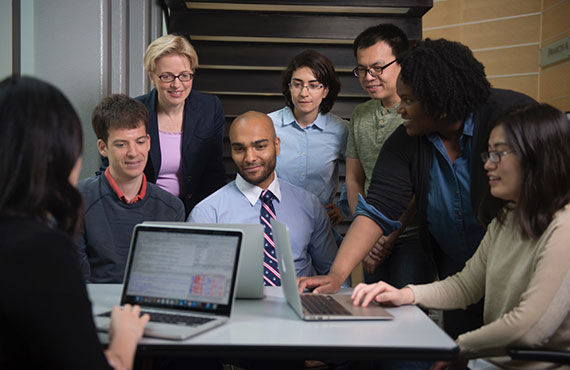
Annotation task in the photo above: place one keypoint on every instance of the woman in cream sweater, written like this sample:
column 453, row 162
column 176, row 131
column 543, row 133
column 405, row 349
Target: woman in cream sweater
column 522, row 265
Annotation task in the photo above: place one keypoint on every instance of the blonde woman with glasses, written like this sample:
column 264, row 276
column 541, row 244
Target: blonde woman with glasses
column 186, row 127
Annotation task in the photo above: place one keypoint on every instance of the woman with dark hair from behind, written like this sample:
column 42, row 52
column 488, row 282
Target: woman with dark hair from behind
column 522, row 265
column 45, row 313
column 313, row 140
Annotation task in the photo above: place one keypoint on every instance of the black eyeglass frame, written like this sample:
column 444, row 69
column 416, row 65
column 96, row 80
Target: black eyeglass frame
column 356, row 73
column 171, row 77
column 494, row 155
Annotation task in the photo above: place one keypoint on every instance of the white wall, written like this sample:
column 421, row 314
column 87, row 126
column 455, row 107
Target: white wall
column 5, row 39
column 88, row 49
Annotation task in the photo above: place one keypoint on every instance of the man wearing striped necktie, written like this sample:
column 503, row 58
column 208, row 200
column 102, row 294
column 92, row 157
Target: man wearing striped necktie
column 257, row 195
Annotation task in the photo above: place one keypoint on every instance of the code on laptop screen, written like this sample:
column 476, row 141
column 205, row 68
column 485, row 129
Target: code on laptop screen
column 174, row 267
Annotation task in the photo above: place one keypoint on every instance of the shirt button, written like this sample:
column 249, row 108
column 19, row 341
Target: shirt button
column 303, row 153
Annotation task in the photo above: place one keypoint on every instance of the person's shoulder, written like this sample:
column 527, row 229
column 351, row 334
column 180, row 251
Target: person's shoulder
column 145, row 98
column 277, row 116
column 299, row 195
column 221, row 199
column 562, row 216
column 229, row 190
column 164, row 196
column 90, row 189
column 336, row 122
column 27, row 235
column 401, row 136
column 365, row 108
column 197, row 97
column 88, row 182
column 510, row 97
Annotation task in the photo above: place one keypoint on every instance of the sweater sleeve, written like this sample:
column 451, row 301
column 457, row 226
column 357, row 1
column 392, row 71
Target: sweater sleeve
column 49, row 304
column 542, row 313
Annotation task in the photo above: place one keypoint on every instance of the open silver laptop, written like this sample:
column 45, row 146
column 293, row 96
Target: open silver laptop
column 311, row 306
column 183, row 277
column 250, row 270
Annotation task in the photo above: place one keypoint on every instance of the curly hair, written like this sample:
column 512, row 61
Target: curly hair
column 446, row 78
column 539, row 135
column 324, row 71
column 40, row 142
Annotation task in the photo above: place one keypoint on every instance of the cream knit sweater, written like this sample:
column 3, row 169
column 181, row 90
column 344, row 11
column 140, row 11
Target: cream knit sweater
column 526, row 285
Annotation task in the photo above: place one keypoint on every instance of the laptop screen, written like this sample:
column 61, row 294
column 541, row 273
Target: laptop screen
column 181, row 268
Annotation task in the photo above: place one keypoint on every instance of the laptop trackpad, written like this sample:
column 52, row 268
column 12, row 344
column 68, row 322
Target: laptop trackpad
column 373, row 310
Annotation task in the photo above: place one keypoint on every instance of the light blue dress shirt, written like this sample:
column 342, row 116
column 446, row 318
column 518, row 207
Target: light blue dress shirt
column 312, row 242
column 310, row 156
column 450, row 216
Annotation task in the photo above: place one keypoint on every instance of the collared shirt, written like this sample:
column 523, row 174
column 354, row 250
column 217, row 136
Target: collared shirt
column 118, row 191
column 312, row 242
column 450, row 216
column 310, row 155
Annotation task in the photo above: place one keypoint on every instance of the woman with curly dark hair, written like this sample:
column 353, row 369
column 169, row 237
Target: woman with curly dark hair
column 523, row 263
column 45, row 313
column 449, row 108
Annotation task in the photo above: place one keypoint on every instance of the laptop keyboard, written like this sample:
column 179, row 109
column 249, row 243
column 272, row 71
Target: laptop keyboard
column 167, row 318
column 317, row 304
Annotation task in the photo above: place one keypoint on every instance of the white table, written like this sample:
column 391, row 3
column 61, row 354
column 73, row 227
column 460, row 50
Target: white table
column 269, row 328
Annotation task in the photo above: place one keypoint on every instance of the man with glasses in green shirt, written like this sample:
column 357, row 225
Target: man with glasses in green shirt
column 378, row 50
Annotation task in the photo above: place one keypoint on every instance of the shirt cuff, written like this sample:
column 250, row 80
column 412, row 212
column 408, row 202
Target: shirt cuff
column 365, row 209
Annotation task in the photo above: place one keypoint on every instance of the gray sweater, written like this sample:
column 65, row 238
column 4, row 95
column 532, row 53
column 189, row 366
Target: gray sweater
column 103, row 246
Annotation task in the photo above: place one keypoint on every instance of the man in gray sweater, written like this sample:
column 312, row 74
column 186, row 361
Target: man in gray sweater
column 119, row 198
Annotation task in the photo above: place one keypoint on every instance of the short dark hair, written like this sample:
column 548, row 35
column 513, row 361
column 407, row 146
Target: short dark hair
column 118, row 111
column 324, row 71
column 389, row 33
column 40, row 142
column 446, row 78
column 539, row 134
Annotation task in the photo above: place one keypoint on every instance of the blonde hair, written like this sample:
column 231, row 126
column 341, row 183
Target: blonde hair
column 166, row 45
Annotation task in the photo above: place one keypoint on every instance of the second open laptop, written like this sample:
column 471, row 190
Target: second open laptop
column 311, row 306
column 183, row 277
column 250, row 270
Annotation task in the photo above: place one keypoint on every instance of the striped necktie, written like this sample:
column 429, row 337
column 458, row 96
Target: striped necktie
column 271, row 275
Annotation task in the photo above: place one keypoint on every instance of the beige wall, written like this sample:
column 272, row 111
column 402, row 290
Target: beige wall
column 506, row 36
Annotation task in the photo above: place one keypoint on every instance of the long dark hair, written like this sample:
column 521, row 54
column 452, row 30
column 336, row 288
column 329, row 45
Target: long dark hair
column 40, row 142
column 540, row 136
column 322, row 68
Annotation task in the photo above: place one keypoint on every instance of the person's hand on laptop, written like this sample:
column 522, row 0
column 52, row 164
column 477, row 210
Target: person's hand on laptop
column 126, row 330
column 320, row 284
column 381, row 292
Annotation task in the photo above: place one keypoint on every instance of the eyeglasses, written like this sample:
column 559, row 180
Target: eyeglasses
column 374, row 70
column 494, row 156
column 169, row 77
column 312, row 87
